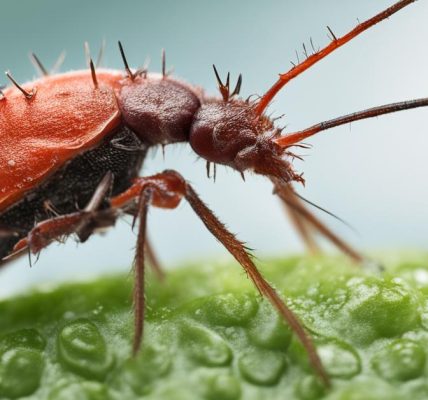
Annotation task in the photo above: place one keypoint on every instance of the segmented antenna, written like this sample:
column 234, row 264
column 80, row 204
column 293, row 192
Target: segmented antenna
column 28, row 95
column 125, row 62
column 295, row 137
column 2, row 96
column 319, row 55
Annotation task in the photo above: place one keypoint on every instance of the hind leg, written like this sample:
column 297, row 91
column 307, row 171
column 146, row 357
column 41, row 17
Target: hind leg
column 310, row 222
column 302, row 227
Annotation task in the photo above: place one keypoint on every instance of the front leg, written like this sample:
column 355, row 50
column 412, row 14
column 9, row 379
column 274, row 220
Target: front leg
column 82, row 223
column 63, row 226
column 166, row 190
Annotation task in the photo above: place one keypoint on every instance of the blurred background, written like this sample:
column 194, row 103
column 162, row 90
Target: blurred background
column 373, row 173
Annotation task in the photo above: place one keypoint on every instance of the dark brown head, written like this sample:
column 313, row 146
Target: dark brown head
column 229, row 132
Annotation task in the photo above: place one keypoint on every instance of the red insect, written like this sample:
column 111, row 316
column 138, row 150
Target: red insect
column 71, row 147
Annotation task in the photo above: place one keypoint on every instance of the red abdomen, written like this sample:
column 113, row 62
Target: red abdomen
column 68, row 115
column 39, row 135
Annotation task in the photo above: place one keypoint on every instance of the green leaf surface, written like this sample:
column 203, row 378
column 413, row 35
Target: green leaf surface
column 209, row 335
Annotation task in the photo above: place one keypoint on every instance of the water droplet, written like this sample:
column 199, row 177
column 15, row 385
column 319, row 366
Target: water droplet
column 141, row 373
column 205, row 346
column 98, row 310
column 228, row 309
column 83, row 350
column 69, row 315
column 222, row 386
column 20, row 372
column 310, row 388
column 339, row 359
column 262, row 367
column 401, row 360
column 80, row 391
column 267, row 329
column 27, row 338
column 388, row 308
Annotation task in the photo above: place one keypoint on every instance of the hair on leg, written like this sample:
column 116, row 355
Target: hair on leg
column 168, row 188
column 237, row 249
column 139, row 268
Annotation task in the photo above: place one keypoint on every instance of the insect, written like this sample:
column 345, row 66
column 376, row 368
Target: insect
column 72, row 145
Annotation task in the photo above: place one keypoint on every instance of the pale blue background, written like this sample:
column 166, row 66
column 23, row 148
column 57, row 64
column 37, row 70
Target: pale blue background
column 373, row 174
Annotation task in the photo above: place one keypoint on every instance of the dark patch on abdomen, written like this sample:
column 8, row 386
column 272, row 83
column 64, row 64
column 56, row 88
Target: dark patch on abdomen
column 71, row 188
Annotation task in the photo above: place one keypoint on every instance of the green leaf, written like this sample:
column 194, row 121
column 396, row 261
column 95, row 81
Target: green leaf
column 209, row 335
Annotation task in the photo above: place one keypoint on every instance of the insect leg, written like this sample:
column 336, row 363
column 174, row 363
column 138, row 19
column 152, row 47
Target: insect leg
column 237, row 249
column 163, row 190
column 83, row 223
column 56, row 228
column 168, row 190
column 153, row 260
column 85, row 229
column 139, row 268
column 301, row 225
column 283, row 191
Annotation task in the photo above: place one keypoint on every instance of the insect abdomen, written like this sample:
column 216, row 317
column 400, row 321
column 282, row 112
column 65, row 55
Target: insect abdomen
column 71, row 187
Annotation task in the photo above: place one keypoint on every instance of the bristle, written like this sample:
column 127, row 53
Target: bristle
column 125, row 62
column 28, row 95
column 163, row 63
column 238, row 86
column 38, row 64
column 93, row 73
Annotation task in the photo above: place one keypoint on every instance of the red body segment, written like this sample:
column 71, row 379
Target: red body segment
column 68, row 116
column 38, row 136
